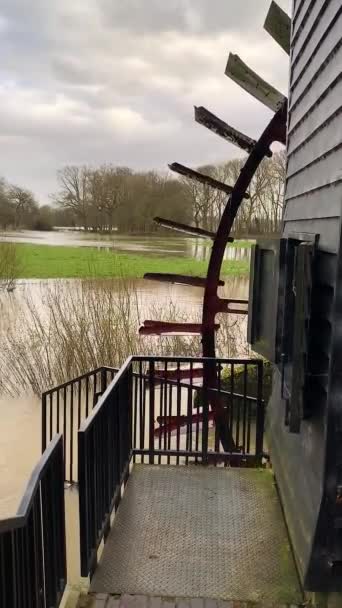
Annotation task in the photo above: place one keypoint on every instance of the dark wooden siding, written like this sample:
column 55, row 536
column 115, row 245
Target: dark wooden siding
column 314, row 177
column 298, row 459
column 303, row 462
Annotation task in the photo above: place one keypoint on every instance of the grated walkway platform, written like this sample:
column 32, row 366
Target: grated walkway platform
column 141, row 601
column 191, row 531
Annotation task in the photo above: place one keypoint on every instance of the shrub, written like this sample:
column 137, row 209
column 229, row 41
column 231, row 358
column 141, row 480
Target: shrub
column 10, row 265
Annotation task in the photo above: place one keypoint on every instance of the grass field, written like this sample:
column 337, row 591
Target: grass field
column 47, row 262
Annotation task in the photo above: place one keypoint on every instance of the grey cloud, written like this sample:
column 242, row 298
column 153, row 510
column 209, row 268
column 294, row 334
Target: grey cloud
column 91, row 81
column 186, row 15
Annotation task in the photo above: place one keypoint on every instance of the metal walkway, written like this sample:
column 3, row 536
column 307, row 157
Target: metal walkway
column 142, row 601
column 199, row 532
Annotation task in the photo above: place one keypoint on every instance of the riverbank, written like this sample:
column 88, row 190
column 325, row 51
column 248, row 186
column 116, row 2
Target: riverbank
column 57, row 262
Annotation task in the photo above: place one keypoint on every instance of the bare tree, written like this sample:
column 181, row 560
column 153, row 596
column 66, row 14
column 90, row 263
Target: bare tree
column 262, row 212
column 7, row 211
column 113, row 189
column 74, row 192
column 106, row 197
column 206, row 201
column 23, row 203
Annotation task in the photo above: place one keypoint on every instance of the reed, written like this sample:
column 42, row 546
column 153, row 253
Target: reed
column 86, row 324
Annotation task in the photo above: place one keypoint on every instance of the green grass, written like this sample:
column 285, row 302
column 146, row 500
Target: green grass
column 47, row 262
column 240, row 244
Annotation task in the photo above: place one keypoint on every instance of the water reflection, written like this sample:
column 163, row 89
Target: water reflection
column 153, row 245
column 200, row 250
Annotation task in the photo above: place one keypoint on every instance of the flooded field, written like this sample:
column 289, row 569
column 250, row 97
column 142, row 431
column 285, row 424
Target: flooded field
column 20, row 432
column 20, row 428
column 151, row 245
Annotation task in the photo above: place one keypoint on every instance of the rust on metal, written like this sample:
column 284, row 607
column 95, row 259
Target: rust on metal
column 182, row 373
column 275, row 131
column 178, row 279
column 221, row 128
column 228, row 305
column 159, row 328
column 278, row 25
column 238, row 71
column 212, row 303
column 172, row 423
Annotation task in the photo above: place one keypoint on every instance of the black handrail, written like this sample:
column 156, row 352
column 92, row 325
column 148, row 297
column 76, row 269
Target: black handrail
column 32, row 543
column 142, row 417
column 183, row 411
column 104, row 454
column 64, row 408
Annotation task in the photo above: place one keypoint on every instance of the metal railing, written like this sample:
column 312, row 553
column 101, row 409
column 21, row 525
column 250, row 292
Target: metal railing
column 32, row 544
column 66, row 406
column 104, row 454
column 173, row 413
column 157, row 411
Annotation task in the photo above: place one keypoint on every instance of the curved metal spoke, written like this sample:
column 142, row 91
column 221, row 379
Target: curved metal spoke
column 275, row 131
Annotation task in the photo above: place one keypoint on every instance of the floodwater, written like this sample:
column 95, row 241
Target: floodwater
column 20, row 450
column 148, row 245
column 20, row 417
column 20, row 431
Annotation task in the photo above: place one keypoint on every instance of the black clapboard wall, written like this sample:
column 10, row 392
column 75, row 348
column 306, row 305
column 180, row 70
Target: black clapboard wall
column 307, row 458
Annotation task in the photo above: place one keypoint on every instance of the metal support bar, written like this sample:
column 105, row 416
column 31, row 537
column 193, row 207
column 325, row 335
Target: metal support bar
column 179, row 279
column 202, row 178
column 214, row 457
column 275, row 131
column 227, row 305
column 43, row 423
column 224, row 305
column 158, row 328
column 193, row 230
column 278, row 25
column 221, row 128
column 260, row 412
column 179, row 374
column 152, row 411
column 238, row 71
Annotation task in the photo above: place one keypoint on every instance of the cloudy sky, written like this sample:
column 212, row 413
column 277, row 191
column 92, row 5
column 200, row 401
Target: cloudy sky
column 94, row 81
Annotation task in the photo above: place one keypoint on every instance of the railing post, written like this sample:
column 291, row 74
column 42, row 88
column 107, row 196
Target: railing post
column 130, row 409
column 61, row 515
column 43, row 422
column 260, row 415
column 83, row 504
column 103, row 380
column 205, row 425
column 151, row 413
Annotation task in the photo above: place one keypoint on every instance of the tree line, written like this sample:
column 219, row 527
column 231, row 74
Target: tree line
column 109, row 198
column 20, row 209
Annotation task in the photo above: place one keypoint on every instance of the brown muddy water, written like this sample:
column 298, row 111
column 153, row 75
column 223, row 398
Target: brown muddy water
column 20, row 435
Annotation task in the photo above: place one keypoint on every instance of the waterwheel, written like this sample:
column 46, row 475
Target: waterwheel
column 278, row 25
